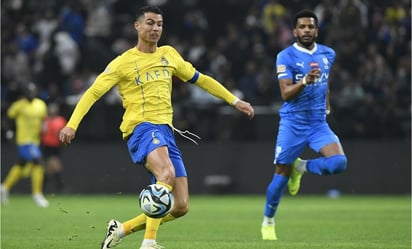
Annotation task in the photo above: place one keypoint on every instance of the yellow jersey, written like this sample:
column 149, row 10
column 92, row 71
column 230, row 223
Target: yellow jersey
column 144, row 82
column 29, row 117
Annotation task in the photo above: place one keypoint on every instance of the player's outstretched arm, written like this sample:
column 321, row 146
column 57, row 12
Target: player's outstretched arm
column 213, row 87
column 66, row 135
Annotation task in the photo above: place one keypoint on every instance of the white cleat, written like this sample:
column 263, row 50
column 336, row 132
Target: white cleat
column 40, row 200
column 153, row 245
column 112, row 236
column 4, row 195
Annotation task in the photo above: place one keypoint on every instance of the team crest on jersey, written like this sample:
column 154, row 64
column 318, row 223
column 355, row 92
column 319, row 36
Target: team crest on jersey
column 281, row 68
column 164, row 61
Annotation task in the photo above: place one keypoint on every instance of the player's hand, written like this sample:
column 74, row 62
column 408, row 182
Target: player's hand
column 313, row 75
column 66, row 135
column 246, row 108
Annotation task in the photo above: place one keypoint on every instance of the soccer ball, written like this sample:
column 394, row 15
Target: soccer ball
column 156, row 201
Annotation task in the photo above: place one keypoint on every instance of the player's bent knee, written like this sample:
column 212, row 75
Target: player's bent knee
column 180, row 208
column 336, row 164
column 179, row 211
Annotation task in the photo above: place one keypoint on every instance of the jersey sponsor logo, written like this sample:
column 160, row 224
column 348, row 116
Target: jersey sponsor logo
column 323, row 77
column 137, row 80
column 152, row 75
column 281, row 68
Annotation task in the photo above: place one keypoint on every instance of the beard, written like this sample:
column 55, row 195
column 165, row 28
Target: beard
column 306, row 41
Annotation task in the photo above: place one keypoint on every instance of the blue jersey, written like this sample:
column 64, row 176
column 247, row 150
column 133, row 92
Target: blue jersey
column 294, row 63
column 303, row 118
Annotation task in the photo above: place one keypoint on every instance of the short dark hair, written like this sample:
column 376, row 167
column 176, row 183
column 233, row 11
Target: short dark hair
column 305, row 13
column 146, row 9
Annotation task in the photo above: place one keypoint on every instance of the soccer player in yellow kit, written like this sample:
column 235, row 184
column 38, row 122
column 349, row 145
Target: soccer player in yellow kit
column 143, row 75
column 29, row 113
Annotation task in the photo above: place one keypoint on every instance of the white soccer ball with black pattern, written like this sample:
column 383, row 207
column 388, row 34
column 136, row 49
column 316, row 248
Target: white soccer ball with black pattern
column 156, row 201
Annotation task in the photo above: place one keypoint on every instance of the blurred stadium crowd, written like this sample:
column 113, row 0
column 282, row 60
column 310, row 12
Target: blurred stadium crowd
column 62, row 45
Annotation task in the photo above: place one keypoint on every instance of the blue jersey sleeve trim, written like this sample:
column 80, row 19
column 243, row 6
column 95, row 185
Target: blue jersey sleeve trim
column 194, row 78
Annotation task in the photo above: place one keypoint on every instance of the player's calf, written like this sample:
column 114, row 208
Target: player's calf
column 335, row 164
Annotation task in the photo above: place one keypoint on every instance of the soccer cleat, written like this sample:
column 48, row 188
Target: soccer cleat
column 295, row 177
column 112, row 236
column 153, row 245
column 4, row 195
column 268, row 232
column 40, row 200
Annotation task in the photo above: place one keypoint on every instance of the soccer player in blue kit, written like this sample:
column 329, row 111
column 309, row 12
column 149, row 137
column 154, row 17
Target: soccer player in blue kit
column 303, row 71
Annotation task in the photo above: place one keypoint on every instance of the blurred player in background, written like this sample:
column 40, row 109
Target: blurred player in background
column 302, row 70
column 51, row 146
column 29, row 113
column 143, row 75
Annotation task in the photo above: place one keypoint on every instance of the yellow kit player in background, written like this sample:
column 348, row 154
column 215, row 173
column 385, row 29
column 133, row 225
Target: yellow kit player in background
column 143, row 75
column 29, row 113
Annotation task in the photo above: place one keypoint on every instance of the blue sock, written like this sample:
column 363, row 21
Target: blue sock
column 274, row 192
column 327, row 165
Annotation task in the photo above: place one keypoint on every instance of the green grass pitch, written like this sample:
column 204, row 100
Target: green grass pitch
column 214, row 222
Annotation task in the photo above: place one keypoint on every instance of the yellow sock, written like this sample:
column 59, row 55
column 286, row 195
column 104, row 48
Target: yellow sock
column 136, row 224
column 13, row 176
column 165, row 184
column 37, row 176
column 168, row 217
column 152, row 225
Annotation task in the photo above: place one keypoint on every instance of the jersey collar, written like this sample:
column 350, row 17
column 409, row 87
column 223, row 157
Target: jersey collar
column 304, row 50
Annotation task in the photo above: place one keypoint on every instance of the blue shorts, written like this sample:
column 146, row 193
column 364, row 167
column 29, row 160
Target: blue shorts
column 146, row 137
column 294, row 136
column 29, row 152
